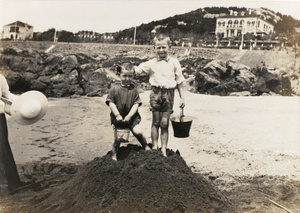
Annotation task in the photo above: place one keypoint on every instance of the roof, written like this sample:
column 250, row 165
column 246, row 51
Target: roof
column 243, row 16
column 19, row 24
column 240, row 16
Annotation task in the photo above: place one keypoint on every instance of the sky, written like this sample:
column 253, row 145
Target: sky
column 110, row 16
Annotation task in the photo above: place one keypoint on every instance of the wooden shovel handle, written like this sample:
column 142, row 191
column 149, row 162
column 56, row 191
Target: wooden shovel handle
column 181, row 114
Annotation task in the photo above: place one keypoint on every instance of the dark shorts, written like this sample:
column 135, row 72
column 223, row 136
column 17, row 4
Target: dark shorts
column 135, row 120
column 161, row 99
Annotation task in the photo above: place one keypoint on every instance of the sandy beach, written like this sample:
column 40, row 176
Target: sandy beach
column 232, row 140
column 230, row 136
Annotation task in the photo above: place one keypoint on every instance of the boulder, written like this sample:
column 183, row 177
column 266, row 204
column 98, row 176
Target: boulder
column 51, row 65
column 37, row 85
column 28, row 76
column 215, row 68
column 285, row 85
column 227, row 77
column 58, row 78
column 205, row 82
column 53, row 59
column 67, row 64
column 243, row 93
column 12, row 78
column 98, row 79
column 44, row 79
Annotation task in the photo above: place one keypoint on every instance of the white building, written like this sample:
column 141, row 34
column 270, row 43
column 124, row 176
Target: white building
column 236, row 24
column 17, row 31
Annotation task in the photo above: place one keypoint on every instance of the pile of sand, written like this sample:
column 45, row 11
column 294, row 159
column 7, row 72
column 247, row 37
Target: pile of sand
column 139, row 181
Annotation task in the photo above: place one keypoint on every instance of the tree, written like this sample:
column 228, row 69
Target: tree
column 285, row 25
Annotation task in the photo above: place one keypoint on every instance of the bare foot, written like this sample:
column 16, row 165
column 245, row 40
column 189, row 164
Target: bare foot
column 164, row 152
column 114, row 157
column 154, row 147
column 147, row 148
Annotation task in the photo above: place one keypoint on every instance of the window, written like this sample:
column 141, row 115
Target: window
column 14, row 29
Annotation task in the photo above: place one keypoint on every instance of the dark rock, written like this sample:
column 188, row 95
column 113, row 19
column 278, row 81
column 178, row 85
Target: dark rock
column 205, row 82
column 223, row 78
column 28, row 76
column 96, row 80
column 68, row 63
column 38, row 85
column 44, row 79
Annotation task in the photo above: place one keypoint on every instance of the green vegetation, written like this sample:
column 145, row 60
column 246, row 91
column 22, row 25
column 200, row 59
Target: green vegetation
column 196, row 25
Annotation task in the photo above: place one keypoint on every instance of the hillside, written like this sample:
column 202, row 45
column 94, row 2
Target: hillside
column 196, row 26
column 200, row 25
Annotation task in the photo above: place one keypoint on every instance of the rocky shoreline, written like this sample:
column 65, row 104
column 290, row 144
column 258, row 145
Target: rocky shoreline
column 67, row 73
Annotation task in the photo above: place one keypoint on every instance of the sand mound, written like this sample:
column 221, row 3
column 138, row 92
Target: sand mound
column 139, row 182
column 143, row 182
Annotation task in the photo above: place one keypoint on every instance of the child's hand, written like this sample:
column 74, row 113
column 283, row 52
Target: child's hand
column 182, row 103
column 119, row 118
column 127, row 119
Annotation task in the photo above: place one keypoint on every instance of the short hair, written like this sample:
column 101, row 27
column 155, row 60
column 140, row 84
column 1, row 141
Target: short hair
column 161, row 37
column 124, row 66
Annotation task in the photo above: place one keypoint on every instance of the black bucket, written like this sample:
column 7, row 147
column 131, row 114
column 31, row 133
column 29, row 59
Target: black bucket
column 181, row 126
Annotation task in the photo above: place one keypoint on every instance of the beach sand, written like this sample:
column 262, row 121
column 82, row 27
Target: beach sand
column 230, row 138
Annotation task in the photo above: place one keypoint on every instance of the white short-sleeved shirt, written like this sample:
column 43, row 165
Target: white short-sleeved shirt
column 5, row 93
column 165, row 73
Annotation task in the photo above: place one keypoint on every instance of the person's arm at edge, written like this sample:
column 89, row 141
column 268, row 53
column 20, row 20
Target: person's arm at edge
column 6, row 92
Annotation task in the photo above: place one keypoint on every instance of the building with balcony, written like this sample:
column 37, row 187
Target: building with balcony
column 244, row 22
column 17, row 31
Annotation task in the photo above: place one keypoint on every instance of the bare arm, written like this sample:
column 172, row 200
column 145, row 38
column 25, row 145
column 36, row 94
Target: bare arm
column 115, row 111
column 5, row 91
column 181, row 95
column 141, row 70
column 132, row 111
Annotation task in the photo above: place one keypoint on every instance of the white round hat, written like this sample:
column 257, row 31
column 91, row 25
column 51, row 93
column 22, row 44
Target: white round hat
column 29, row 107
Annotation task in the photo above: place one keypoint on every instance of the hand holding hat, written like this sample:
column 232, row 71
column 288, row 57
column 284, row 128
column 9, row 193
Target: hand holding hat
column 29, row 107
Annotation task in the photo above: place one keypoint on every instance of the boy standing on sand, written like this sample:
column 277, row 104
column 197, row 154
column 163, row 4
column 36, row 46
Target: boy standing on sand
column 165, row 74
column 123, row 100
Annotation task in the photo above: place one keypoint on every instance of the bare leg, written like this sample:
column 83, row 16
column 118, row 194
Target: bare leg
column 115, row 148
column 137, row 132
column 154, row 129
column 164, row 126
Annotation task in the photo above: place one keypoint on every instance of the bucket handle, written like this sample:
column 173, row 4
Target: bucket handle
column 181, row 114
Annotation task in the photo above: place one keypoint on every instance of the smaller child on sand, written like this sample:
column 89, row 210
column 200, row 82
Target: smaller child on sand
column 123, row 100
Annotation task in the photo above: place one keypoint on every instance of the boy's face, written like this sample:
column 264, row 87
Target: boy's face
column 126, row 77
column 161, row 49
